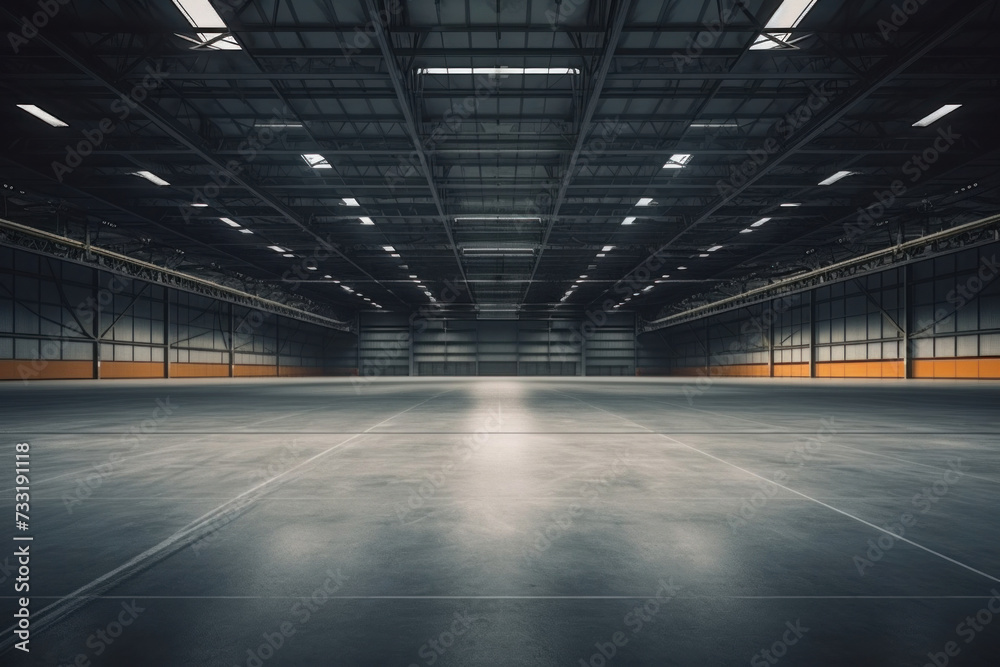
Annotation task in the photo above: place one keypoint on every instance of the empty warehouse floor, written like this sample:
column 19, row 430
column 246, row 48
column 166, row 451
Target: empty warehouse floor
column 509, row 521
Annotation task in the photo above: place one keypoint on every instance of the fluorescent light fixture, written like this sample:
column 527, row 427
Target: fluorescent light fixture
column 365, row 220
column 316, row 161
column 629, row 220
column 277, row 248
column 644, row 201
column 350, row 201
column 499, row 70
column 278, row 125
column 150, row 176
column 932, row 118
column 704, row 254
column 578, row 281
column 607, row 248
column 367, row 299
column 647, row 288
column 231, row 223
column 395, row 254
column 245, row 231
column 746, row 231
column 583, row 275
column 201, row 14
column 788, row 15
column 677, row 161
column 310, row 268
column 681, row 268
column 288, row 254
column 199, row 205
column 497, row 217
column 601, row 254
column 791, row 204
column 346, row 288
column 504, row 250
column 836, row 177
column 42, row 115
column 714, row 248
column 703, row 125
column 327, row 276
column 760, row 222
column 388, row 248
column 411, row 276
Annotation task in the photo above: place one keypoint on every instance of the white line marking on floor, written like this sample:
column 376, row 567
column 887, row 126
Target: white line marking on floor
column 53, row 613
column 799, row 493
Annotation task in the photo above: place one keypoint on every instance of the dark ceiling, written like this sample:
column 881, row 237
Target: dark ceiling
column 506, row 185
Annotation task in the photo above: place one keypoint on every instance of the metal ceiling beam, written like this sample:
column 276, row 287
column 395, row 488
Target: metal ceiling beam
column 612, row 37
column 403, row 97
column 97, row 72
column 882, row 73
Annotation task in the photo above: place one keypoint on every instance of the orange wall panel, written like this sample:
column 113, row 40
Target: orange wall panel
column 131, row 369
column 255, row 370
column 187, row 370
column 44, row 369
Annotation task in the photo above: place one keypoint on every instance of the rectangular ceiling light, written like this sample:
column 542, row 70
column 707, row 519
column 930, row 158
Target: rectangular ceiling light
column 365, row 220
column 499, row 70
column 388, row 248
column 607, row 248
column 791, row 204
column 201, row 14
column 647, row 288
column 936, row 116
column 645, row 201
column 629, row 220
column 497, row 217
column 245, row 231
column 42, row 115
column 350, row 201
column 703, row 125
column 677, row 161
column 279, row 125
column 196, row 205
column 760, row 222
column 788, row 15
column 277, row 248
column 836, row 177
column 231, row 223
column 714, row 248
column 150, row 176
column 316, row 161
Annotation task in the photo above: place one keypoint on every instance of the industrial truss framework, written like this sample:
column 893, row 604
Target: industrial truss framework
column 968, row 235
column 507, row 185
column 66, row 249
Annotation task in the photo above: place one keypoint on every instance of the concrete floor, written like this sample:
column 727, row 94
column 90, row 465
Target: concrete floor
column 508, row 522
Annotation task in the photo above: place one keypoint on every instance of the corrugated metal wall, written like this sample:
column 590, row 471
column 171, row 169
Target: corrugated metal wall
column 495, row 347
column 63, row 320
column 938, row 317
